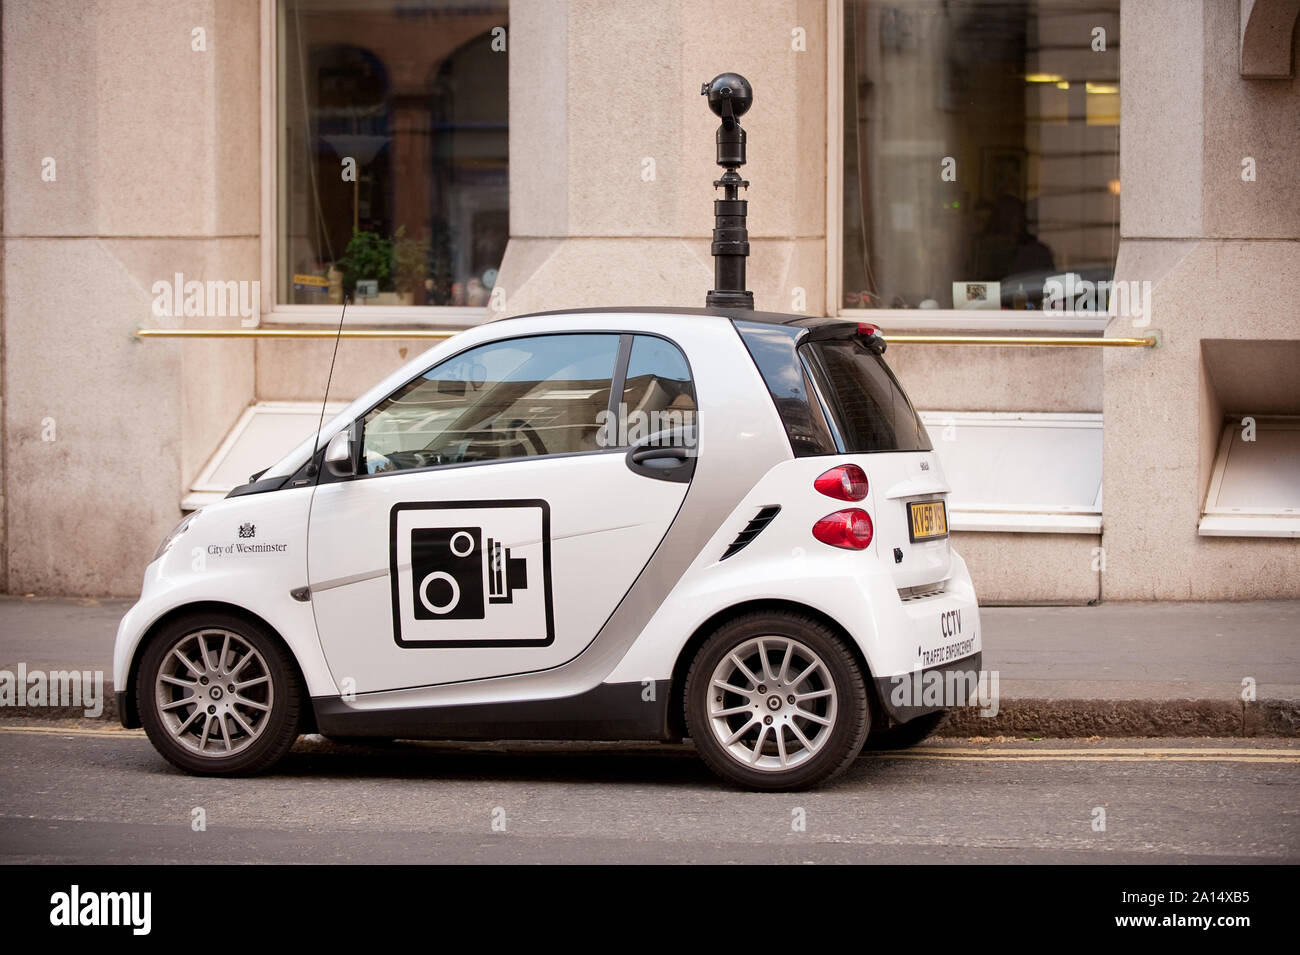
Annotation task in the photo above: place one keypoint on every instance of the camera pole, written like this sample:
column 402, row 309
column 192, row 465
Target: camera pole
column 730, row 96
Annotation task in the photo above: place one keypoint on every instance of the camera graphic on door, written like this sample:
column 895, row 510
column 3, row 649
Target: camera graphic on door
column 451, row 566
column 471, row 573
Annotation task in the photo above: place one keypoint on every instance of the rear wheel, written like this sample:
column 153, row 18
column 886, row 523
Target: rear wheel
column 775, row 701
column 219, row 696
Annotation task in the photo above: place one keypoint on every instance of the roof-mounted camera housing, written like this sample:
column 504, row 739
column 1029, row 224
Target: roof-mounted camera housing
column 730, row 96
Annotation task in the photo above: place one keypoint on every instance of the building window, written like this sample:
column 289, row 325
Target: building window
column 981, row 155
column 391, row 129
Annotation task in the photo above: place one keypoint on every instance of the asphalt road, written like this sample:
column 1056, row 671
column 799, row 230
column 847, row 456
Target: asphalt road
column 90, row 794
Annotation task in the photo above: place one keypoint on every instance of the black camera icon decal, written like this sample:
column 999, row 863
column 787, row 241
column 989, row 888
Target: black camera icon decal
column 471, row 573
column 453, row 572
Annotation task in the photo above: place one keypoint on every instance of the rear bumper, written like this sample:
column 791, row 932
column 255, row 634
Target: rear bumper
column 927, row 650
column 905, row 696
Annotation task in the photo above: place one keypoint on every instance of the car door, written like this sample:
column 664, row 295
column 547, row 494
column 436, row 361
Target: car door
column 501, row 510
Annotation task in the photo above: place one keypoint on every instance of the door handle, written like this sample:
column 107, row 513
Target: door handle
column 666, row 462
column 641, row 455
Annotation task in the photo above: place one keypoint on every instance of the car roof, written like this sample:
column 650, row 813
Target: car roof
column 731, row 314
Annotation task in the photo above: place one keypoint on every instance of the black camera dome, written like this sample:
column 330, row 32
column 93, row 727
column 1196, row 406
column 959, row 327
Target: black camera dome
column 730, row 86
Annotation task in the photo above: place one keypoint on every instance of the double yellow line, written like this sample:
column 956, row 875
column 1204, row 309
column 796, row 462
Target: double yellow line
column 1144, row 754
column 1082, row 754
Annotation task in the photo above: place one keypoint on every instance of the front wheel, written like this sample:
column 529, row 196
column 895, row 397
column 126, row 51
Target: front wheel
column 776, row 701
column 219, row 696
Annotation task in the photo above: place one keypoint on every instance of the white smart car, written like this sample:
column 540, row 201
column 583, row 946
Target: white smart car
column 632, row 524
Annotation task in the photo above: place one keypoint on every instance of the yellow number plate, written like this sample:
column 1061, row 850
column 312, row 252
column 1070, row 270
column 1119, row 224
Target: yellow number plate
column 928, row 519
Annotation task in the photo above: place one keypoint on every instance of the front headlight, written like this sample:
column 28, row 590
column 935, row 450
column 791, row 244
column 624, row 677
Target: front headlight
column 170, row 539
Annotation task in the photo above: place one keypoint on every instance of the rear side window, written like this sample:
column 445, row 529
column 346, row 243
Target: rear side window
column 774, row 350
column 658, row 395
column 867, row 407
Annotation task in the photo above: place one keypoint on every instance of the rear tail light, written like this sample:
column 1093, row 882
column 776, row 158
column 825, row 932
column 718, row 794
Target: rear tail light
column 850, row 528
column 848, row 482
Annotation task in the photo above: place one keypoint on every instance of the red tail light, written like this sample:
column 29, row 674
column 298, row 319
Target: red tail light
column 848, row 482
column 867, row 330
column 850, row 528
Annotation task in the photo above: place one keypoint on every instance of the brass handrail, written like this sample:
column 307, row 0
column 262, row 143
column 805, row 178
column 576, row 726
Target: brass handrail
column 293, row 333
column 390, row 333
column 1029, row 340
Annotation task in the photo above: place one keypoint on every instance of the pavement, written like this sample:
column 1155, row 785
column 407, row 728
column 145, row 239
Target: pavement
column 1112, row 670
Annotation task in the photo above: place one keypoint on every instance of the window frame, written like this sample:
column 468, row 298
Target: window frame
column 901, row 319
column 1218, row 520
column 986, row 517
column 271, row 311
column 618, row 381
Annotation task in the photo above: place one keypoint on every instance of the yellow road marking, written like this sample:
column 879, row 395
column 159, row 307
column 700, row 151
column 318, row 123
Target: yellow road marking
column 71, row 731
column 1105, row 750
column 1082, row 757
column 952, row 753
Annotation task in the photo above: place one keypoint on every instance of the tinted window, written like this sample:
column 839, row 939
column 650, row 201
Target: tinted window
column 868, row 409
column 657, row 395
column 773, row 350
column 520, row 398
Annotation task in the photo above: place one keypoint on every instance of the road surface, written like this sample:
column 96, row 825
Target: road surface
column 89, row 793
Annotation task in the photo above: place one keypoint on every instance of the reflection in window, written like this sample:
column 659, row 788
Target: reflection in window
column 658, row 397
column 981, row 153
column 393, row 151
column 518, row 398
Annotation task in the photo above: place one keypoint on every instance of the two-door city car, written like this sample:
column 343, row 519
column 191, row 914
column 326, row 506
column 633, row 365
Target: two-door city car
column 634, row 524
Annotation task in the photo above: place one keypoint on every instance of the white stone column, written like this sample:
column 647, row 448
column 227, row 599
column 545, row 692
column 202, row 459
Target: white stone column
column 155, row 171
column 612, row 151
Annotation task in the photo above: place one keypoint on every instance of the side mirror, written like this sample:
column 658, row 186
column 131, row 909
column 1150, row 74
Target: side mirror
column 339, row 460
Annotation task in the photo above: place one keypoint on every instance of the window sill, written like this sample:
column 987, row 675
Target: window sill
column 1250, row 525
column 1023, row 522
column 978, row 320
column 264, row 433
column 426, row 316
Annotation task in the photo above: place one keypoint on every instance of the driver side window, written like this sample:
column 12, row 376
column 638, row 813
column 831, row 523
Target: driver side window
column 519, row 398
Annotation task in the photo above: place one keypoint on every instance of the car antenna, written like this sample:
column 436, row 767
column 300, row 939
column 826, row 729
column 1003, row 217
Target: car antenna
column 730, row 97
column 313, row 468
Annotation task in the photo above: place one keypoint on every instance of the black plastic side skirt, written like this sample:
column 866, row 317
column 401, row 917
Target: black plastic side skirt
column 607, row 712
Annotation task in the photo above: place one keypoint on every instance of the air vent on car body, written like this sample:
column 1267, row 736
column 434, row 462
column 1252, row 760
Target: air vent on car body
column 752, row 529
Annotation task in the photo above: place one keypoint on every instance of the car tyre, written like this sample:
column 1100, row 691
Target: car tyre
column 776, row 701
column 219, row 695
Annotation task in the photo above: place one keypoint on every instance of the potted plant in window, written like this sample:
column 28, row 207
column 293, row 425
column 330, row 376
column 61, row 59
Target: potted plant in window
column 410, row 267
column 369, row 257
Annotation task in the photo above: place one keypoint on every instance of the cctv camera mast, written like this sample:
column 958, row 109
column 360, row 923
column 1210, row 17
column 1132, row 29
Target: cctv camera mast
column 730, row 97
